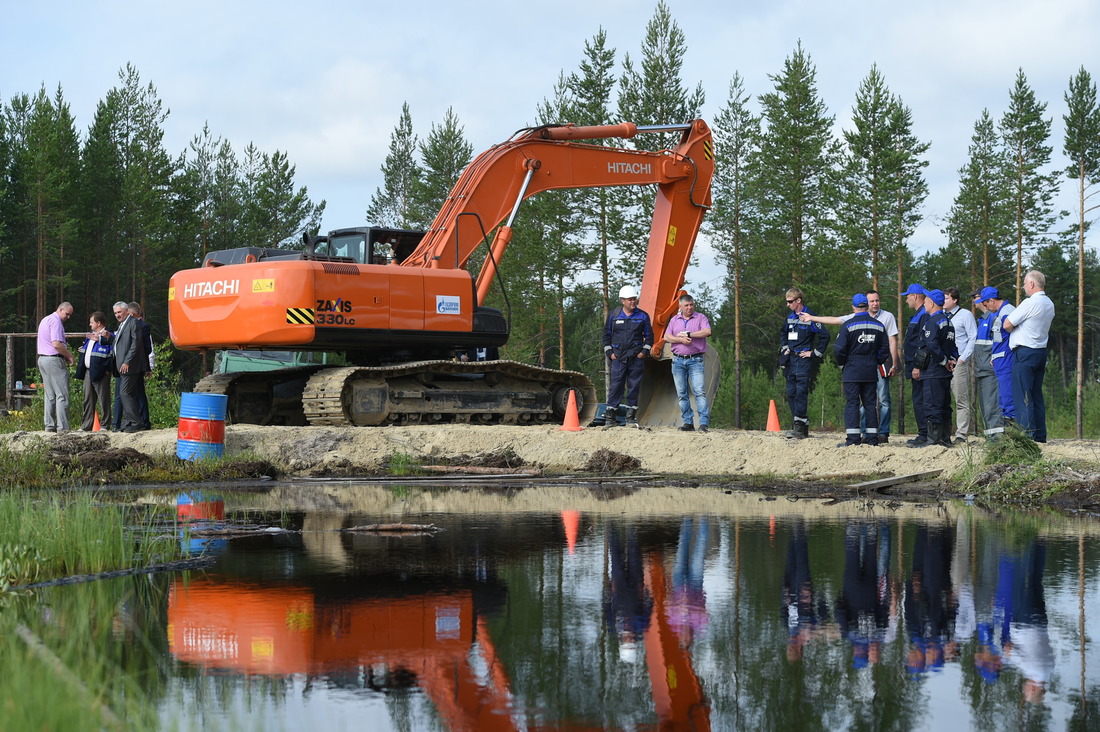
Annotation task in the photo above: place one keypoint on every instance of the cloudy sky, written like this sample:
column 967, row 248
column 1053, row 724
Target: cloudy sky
column 324, row 81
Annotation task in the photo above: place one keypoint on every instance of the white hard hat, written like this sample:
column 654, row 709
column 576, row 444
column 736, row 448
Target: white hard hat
column 627, row 291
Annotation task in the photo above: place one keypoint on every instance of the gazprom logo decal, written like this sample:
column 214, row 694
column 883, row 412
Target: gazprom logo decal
column 635, row 168
column 448, row 305
column 212, row 289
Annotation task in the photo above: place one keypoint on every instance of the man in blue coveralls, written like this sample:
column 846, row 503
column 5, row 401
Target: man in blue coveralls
column 800, row 352
column 627, row 340
column 861, row 348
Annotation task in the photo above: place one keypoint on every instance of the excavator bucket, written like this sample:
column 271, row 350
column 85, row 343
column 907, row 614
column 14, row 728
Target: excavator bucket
column 658, row 404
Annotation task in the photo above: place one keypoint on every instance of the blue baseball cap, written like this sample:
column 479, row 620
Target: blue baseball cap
column 914, row 289
column 936, row 296
column 988, row 293
column 859, row 300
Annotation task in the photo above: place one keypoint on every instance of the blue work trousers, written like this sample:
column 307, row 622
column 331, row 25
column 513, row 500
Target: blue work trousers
column 626, row 374
column 687, row 373
column 1028, row 372
column 1003, row 368
column 859, row 404
column 801, row 374
column 883, row 393
column 937, row 400
column 918, row 406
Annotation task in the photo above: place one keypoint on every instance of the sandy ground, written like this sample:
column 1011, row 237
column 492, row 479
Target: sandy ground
column 304, row 451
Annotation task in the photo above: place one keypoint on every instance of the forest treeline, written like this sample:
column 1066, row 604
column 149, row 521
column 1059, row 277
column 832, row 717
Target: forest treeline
column 109, row 213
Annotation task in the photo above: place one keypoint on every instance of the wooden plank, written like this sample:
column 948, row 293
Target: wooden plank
column 876, row 485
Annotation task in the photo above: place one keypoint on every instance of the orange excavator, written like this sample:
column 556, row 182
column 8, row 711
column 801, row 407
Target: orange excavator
column 402, row 306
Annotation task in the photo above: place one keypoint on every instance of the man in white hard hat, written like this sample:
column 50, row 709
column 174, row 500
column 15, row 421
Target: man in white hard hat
column 627, row 340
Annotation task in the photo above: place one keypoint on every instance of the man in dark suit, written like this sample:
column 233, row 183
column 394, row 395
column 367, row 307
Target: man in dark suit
column 132, row 361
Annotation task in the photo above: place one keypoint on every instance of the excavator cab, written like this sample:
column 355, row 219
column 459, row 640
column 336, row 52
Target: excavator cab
column 365, row 245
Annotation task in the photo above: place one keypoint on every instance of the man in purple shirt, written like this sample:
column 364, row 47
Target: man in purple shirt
column 687, row 333
column 54, row 359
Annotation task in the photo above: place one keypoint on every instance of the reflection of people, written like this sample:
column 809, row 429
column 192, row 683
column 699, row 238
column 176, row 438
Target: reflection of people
column 627, row 340
column 54, row 359
column 1030, row 649
column 1029, row 327
column 96, row 365
column 861, row 348
column 862, row 611
column 627, row 604
column 801, row 349
column 803, row 614
column 929, row 604
column 687, row 608
column 687, row 332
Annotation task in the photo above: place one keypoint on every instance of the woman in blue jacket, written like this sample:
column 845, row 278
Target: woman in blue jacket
column 95, row 366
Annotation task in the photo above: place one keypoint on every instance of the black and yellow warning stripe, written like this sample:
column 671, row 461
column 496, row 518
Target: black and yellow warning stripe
column 300, row 316
column 708, row 150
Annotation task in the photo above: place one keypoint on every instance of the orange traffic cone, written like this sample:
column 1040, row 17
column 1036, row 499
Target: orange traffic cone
column 572, row 419
column 571, row 520
column 96, row 426
column 773, row 418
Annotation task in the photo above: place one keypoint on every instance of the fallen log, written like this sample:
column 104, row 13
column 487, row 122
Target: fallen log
column 469, row 469
column 395, row 528
column 878, row 485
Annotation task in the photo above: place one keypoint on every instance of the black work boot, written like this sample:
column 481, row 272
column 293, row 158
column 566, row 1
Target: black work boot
column 800, row 430
column 611, row 416
column 631, row 417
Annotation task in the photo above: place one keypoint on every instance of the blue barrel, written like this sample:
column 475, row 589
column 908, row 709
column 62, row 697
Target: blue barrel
column 203, row 416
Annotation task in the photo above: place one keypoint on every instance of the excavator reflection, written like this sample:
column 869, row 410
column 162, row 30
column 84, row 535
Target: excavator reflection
column 392, row 632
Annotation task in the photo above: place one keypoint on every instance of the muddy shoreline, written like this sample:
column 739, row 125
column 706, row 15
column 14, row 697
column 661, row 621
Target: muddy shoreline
column 763, row 462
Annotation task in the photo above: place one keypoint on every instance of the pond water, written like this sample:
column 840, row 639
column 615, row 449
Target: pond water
column 756, row 614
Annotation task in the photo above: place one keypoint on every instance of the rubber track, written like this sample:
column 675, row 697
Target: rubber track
column 323, row 397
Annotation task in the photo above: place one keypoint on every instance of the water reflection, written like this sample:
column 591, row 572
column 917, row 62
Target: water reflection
column 587, row 620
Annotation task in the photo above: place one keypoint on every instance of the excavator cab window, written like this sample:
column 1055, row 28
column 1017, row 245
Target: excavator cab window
column 352, row 246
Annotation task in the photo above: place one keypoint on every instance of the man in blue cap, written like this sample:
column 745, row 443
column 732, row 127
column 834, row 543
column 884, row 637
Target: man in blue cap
column 861, row 348
column 933, row 363
column 914, row 298
column 985, row 377
column 1002, row 358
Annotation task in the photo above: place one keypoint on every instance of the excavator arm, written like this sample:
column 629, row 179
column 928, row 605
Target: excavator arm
column 492, row 187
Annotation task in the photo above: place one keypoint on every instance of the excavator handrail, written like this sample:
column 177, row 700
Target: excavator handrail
column 549, row 157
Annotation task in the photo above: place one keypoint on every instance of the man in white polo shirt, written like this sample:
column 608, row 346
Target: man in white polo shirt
column 1028, row 326
column 966, row 330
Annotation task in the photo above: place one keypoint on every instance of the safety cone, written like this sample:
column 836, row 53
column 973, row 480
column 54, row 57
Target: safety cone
column 572, row 421
column 96, row 427
column 571, row 520
column 773, row 418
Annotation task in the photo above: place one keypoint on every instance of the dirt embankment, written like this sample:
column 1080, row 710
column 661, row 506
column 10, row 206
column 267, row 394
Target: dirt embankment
column 729, row 455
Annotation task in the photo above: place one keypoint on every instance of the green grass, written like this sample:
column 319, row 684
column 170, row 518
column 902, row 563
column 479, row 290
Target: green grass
column 402, row 463
column 50, row 535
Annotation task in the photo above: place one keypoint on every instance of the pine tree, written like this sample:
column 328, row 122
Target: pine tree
column 736, row 135
column 979, row 222
column 393, row 204
column 444, row 155
column 1082, row 146
column 797, row 167
column 52, row 156
column 1024, row 133
column 884, row 186
column 655, row 94
column 591, row 89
